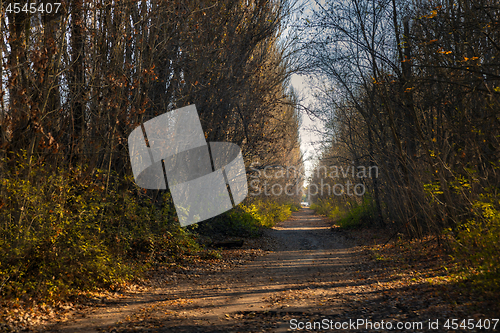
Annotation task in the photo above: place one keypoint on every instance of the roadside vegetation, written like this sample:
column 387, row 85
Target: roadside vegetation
column 413, row 90
column 77, row 82
column 64, row 232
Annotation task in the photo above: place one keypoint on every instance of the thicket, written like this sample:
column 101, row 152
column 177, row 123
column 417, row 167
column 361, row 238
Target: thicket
column 350, row 216
column 414, row 89
column 248, row 219
column 74, row 84
column 79, row 229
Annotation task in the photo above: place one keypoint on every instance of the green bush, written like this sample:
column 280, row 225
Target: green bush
column 236, row 223
column 73, row 228
column 321, row 207
column 76, row 228
column 327, row 208
column 358, row 215
column 247, row 220
column 336, row 213
column 295, row 207
column 477, row 243
column 352, row 216
column 268, row 212
column 51, row 234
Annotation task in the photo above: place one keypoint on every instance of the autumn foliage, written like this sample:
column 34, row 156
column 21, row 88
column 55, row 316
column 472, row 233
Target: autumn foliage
column 74, row 85
column 413, row 87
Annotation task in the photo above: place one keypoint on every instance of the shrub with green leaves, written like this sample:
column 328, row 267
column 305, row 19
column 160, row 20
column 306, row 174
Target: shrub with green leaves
column 268, row 212
column 477, row 243
column 352, row 215
column 76, row 228
column 328, row 209
column 247, row 220
column 51, row 232
column 358, row 215
column 234, row 223
column 322, row 207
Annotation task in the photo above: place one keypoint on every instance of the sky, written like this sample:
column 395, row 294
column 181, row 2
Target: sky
column 309, row 139
column 308, row 145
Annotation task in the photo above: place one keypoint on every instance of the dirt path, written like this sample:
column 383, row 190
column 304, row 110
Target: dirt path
column 299, row 277
column 311, row 275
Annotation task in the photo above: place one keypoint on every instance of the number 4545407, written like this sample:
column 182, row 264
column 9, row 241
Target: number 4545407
column 32, row 8
column 485, row 324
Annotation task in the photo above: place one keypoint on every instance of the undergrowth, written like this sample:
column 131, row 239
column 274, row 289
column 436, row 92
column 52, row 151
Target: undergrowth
column 350, row 215
column 248, row 219
column 476, row 244
column 73, row 229
column 269, row 212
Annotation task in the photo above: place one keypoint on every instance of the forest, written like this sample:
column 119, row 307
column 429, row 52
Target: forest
column 76, row 82
column 408, row 93
column 413, row 89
